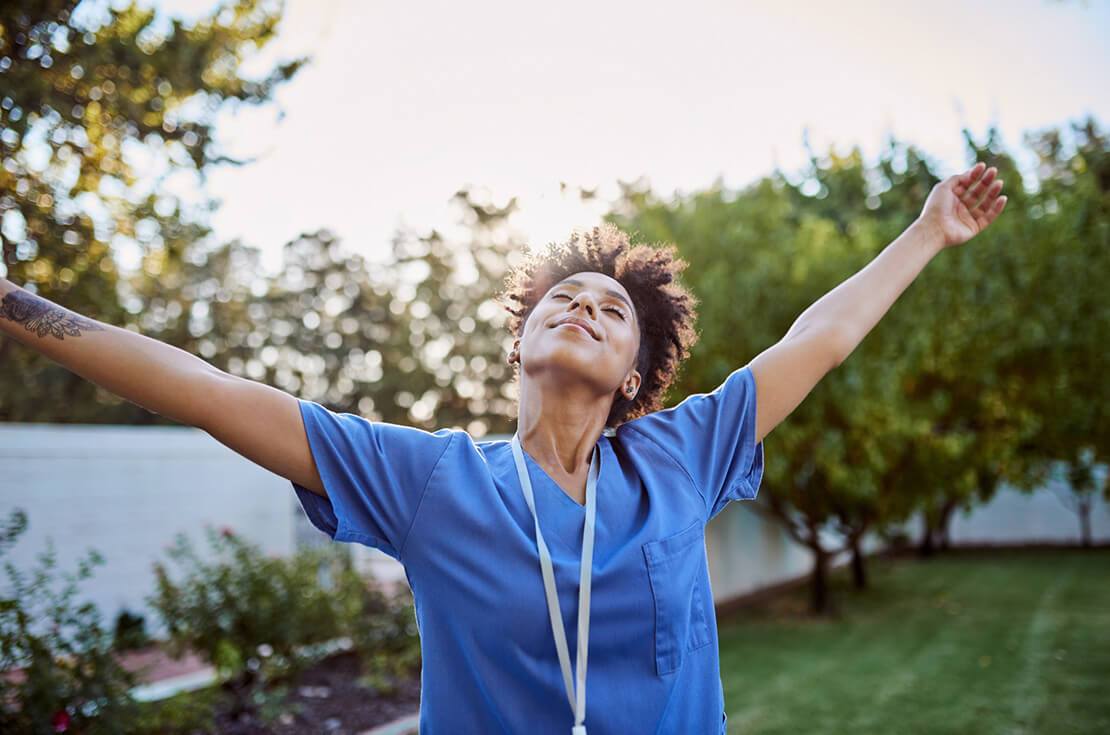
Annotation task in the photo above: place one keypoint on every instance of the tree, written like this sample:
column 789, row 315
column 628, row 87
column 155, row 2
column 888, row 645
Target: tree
column 81, row 95
column 758, row 259
column 1077, row 484
column 949, row 395
column 416, row 339
column 1068, row 227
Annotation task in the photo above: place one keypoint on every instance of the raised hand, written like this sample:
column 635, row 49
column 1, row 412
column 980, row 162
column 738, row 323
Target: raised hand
column 963, row 205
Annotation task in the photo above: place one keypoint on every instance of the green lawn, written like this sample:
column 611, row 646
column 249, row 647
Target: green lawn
column 968, row 642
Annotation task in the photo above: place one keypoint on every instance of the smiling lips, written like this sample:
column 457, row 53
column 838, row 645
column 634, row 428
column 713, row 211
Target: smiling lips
column 579, row 322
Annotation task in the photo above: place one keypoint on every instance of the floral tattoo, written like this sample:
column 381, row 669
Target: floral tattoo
column 44, row 318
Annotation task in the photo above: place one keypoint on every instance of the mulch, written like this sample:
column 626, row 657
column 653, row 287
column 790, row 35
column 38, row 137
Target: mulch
column 328, row 698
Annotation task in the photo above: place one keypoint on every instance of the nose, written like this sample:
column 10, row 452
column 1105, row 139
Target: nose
column 586, row 301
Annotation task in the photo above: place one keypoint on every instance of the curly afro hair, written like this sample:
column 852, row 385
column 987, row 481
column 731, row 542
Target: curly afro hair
column 665, row 310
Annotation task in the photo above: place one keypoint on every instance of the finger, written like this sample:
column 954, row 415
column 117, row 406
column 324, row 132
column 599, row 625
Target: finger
column 980, row 186
column 983, row 214
column 989, row 214
column 971, row 174
column 999, row 205
column 984, row 219
column 967, row 180
column 976, row 192
column 989, row 198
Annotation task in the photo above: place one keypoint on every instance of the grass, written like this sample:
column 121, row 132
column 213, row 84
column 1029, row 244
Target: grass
column 984, row 642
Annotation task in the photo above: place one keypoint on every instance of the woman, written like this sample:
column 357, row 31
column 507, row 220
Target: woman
column 583, row 534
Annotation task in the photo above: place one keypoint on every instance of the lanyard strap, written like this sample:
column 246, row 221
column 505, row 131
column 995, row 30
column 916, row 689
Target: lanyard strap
column 576, row 692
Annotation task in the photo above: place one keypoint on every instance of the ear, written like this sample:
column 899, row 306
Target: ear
column 631, row 386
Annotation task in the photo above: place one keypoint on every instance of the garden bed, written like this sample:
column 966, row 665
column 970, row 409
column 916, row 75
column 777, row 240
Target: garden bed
column 328, row 697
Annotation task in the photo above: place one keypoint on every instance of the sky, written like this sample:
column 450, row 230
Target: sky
column 404, row 103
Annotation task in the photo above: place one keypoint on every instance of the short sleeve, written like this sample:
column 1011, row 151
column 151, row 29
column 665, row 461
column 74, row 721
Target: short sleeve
column 712, row 436
column 375, row 474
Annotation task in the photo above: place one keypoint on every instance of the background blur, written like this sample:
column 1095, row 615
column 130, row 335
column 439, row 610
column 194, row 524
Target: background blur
column 326, row 197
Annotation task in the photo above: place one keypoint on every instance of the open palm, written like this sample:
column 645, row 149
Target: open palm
column 963, row 205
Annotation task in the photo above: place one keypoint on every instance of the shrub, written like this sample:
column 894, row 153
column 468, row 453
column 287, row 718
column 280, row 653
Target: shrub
column 186, row 713
column 57, row 670
column 382, row 629
column 261, row 619
column 243, row 610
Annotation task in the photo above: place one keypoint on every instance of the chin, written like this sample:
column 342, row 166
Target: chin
column 567, row 364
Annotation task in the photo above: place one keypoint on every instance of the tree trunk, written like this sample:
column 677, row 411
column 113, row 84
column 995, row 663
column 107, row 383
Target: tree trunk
column 859, row 570
column 820, row 587
column 1085, row 522
column 925, row 548
column 944, row 523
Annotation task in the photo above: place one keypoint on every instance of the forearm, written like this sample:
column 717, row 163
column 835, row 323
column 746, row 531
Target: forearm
column 157, row 376
column 852, row 309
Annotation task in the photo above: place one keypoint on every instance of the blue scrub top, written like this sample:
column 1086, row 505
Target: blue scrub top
column 451, row 510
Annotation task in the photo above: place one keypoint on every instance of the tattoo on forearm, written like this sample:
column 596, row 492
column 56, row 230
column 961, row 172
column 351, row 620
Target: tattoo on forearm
column 44, row 318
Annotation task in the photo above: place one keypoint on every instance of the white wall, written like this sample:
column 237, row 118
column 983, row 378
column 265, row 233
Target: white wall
column 1039, row 517
column 746, row 552
column 126, row 491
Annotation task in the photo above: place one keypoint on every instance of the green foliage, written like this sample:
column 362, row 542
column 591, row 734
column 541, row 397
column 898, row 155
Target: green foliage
column 242, row 609
column 988, row 366
column 59, row 671
column 417, row 340
column 383, row 630
column 187, row 713
column 261, row 619
column 77, row 90
column 1068, row 239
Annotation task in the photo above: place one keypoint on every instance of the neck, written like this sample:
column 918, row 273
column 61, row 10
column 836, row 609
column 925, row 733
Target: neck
column 559, row 425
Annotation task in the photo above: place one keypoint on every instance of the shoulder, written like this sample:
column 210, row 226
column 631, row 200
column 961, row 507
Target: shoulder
column 648, row 449
column 360, row 440
column 495, row 455
column 699, row 411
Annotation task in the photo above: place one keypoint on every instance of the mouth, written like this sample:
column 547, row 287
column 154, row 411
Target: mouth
column 577, row 324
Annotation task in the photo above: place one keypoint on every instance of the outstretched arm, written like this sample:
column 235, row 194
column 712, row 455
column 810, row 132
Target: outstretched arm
column 956, row 210
column 260, row 422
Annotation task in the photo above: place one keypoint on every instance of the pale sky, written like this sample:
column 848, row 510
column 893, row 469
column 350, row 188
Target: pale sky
column 404, row 103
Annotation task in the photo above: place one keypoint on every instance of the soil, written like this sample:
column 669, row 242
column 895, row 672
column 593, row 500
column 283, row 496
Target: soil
column 328, row 699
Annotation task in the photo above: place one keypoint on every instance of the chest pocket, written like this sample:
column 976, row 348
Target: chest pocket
column 674, row 565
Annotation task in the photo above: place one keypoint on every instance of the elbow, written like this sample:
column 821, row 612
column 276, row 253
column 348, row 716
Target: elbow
column 838, row 345
column 203, row 393
column 827, row 342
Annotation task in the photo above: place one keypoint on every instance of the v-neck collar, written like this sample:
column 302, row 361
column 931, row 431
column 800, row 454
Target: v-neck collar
column 602, row 443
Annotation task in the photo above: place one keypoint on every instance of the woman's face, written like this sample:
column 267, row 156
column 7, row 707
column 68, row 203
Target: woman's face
column 601, row 351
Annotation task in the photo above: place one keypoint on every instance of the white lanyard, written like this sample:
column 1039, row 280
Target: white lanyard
column 576, row 692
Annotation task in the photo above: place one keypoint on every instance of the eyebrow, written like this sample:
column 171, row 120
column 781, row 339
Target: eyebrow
column 609, row 291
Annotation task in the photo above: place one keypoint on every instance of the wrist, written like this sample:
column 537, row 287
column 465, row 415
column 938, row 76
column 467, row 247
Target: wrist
column 928, row 236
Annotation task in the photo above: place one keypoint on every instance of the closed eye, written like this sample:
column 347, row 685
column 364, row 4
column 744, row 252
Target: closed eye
column 616, row 311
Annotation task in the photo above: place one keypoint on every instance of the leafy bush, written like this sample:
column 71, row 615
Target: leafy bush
column 57, row 671
column 382, row 629
column 260, row 619
column 185, row 713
